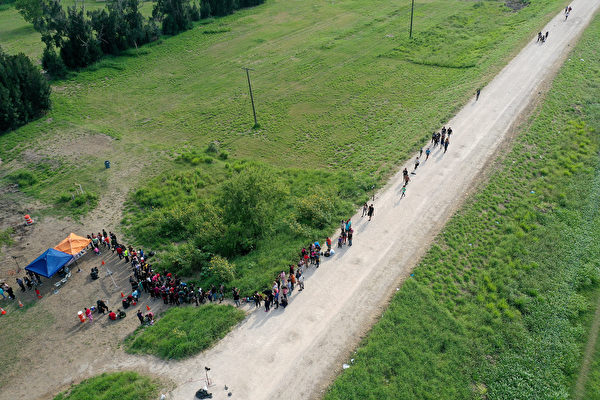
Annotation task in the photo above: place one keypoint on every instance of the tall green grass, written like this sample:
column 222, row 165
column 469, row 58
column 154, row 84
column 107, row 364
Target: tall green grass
column 111, row 386
column 184, row 331
column 500, row 305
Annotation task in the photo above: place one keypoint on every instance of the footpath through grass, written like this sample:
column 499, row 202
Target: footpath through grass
column 500, row 306
column 111, row 386
column 184, row 331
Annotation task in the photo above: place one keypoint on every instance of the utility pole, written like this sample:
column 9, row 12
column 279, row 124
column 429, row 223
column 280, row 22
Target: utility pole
column 412, row 9
column 251, row 97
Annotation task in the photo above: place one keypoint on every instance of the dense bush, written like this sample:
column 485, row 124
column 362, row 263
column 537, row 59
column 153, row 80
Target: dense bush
column 24, row 91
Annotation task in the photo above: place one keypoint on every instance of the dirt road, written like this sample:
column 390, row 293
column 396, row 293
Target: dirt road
column 320, row 327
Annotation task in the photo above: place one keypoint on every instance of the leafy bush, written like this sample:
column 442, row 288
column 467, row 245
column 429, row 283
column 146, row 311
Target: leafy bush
column 221, row 269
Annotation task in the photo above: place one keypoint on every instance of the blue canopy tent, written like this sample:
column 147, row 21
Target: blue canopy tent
column 48, row 263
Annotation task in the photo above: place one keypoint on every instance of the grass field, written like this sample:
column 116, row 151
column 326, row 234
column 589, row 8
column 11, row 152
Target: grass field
column 184, row 331
column 337, row 85
column 499, row 308
column 116, row 385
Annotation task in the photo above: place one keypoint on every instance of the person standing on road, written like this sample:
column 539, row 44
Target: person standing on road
column 350, row 234
column 446, row 145
column 21, row 285
column 140, row 317
column 371, row 211
column 236, row 296
column 427, row 153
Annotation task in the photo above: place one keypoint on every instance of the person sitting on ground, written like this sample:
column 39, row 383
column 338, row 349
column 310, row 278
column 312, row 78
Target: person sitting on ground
column 112, row 316
column 125, row 302
column 150, row 318
column 101, row 306
column 94, row 273
column 121, row 314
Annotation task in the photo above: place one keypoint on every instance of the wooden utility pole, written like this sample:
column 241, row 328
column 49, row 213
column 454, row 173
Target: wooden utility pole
column 251, row 97
column 412, row 9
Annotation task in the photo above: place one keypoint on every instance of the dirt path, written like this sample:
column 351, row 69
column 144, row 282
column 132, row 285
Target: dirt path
column 347, row 294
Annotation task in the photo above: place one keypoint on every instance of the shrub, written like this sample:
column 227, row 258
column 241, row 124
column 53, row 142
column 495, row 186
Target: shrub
column 221, row 269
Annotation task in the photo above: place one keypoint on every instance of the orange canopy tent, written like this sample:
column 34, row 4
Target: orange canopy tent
column 73, row 244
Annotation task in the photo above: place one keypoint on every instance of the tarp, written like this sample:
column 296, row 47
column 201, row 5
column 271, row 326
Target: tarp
column 48, row 263
column 73, row 244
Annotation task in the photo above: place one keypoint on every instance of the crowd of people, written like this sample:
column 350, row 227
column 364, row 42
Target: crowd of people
column 173, row 290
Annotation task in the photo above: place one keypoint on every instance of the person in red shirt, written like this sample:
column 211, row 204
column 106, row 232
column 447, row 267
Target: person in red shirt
column 112, row 316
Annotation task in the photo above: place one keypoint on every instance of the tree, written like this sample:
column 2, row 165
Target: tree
column 31, row 10
column 24, row 91
column 250, row 202
column 80, row 47
column 52, row 63
column 175, row 15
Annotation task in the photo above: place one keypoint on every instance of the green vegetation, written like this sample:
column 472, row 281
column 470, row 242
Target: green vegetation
column 6, row 238
column 24, row 91
column 184, row 331
column 499, row 307
column 257, row 216
column 110, row 386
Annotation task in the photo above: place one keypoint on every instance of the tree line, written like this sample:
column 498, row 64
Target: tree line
column 75, row 39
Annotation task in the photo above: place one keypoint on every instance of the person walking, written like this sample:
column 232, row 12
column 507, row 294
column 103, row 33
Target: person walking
column 21, row 284
column 365, row 209
column 477, row 95
column 427, row 153
column 406, row 180
column 350, row 234
column 446, row 145
column 126, row 255
column 566, row 15
column 140, row 317
column 371, row 211
column 546, row 36
column 539, row 38
column 328, row 241
column 417, row 162
column 421, row 152
column 403, row 191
